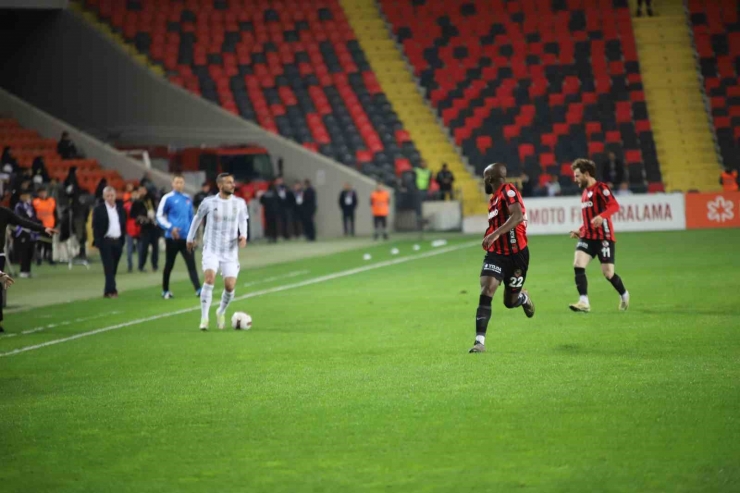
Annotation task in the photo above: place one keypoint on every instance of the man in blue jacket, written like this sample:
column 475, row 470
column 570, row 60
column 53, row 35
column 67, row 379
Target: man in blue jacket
column 174, row 215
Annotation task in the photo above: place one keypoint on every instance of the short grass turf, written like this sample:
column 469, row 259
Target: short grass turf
column 363, row 383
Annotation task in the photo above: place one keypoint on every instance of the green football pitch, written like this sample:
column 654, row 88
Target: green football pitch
column 356, row 378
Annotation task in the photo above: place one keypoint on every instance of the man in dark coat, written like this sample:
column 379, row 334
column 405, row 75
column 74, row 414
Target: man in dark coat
column 270, row 204
column 348, row 204
column 307, row 210
column 109, row 228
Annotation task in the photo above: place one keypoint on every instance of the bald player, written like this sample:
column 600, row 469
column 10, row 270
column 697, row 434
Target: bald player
column 507, row 255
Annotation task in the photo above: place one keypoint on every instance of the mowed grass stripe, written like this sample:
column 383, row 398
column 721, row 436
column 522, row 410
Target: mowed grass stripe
column 277, row 289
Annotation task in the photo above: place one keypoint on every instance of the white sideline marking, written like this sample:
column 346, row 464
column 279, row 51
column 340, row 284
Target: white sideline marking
column 277, row 289
column 277, row 278
column 60, row 324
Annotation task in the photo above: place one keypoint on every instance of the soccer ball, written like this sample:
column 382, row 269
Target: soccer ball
column 241, row 321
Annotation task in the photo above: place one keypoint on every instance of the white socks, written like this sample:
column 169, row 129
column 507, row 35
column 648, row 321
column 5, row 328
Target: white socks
column 584, row 300
column 206, row 295
column 480, row 339
column 226, row 298
column 625, row 296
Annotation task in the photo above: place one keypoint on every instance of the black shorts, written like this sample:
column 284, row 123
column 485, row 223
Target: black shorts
column 604, row 249
column 510, row 269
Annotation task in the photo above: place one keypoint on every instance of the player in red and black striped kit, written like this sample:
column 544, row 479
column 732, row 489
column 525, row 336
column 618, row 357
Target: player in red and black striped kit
column 596, row 236
column 507, row 255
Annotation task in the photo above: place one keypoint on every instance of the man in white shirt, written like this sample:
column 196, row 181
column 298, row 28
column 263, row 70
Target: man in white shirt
column 109, row 221
column 225, row 233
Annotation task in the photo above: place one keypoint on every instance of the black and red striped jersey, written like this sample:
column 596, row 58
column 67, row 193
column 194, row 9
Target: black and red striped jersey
column 598, row 200
column 498, row 213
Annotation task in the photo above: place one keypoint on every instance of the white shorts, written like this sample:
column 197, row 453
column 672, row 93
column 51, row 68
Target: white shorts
column 227, row 268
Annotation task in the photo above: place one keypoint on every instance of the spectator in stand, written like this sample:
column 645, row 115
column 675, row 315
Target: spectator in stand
column 348, row 204
column 613, row 172
column 39, row 172
column 10, row 164
column 296, row 214
column 46, row 212
column 271, row 205
column 307, row 210
column 286, row 204
column 108, row 221
column 729, row 180
column 25, row 240
column 380, row 201
column 526, row 186
column 624, row 189
column 145, row 212
column 99, row 190
column 66, row 148
column 648, row 4
column 445, row 178
column 553, row 188
column 133, row 230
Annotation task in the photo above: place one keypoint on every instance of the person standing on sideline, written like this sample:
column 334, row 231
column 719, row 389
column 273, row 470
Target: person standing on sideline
column 46, row 212
column 380, row 201
column 423, row 180
column 348, row 204
column 444, row 180
column 25, row 240
column 133, row 230
column 9, row 218
column 226, row 233
column 271, row 204
column 308, row 210
column 297, row 226
column 286, row 201
column 205, row 191
column 145, row 213
column 174, row 215
column 108, row 222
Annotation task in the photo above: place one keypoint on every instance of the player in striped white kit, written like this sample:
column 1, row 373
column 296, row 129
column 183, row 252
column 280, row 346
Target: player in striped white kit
column 226, row 232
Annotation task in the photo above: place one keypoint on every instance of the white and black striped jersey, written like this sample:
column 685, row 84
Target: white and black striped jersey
column 227, row 222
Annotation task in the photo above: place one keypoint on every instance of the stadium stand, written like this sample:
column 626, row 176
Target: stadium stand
column 432, row 139
column 293, row 67
column 534, row 84
column 684, row 137
column 28, row 144
column 716, row 29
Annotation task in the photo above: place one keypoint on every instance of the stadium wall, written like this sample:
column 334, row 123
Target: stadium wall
column 52, row 128
column 650, row 212
column 560, row 215
column 65, row 66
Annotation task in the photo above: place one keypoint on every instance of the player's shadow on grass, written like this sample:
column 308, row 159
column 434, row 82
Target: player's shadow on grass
column 569, row 348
